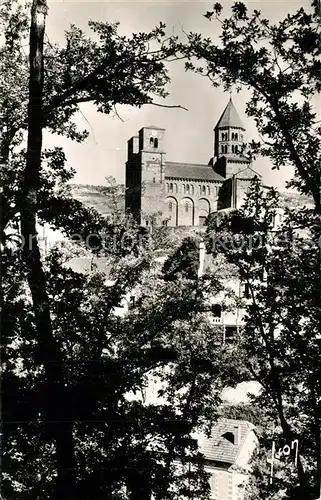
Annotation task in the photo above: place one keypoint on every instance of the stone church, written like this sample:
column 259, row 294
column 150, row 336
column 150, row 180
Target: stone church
column 184, row 194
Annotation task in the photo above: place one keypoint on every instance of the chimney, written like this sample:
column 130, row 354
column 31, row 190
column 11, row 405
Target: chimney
column 237, row 435
column 201, row 259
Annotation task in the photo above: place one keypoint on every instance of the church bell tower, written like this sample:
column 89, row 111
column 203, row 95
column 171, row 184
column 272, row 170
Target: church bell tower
column 228, row 142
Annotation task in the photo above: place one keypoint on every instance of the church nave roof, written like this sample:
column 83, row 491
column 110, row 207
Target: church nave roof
column 191, row 171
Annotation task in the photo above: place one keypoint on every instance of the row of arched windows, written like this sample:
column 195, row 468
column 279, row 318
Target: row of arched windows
column 172, row 188
column 204, row 190
column 235, row 149
column 234, row 136
column 189, row 189
column 186, row 188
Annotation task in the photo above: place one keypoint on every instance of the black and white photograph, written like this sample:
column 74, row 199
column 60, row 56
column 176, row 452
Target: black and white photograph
column 160, row 231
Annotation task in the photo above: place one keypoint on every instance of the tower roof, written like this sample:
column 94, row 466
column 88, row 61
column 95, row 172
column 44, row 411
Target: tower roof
column 230, row 117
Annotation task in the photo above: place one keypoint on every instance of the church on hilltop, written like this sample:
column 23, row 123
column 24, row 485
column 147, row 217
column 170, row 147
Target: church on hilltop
column 184, row 194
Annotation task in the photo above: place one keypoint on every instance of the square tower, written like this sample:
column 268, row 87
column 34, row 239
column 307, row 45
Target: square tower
column 145, row 173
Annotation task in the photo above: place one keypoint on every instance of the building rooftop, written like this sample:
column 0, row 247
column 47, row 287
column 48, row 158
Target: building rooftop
column 247, row 173
column 230, row 117
column 84, row 265
column 192, row 171
column 227, row 438
column 154, row 127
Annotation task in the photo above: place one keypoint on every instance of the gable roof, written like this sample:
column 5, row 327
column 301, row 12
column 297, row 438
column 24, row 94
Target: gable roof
column 247, row 173
column 218, row 448
column 191, row 171
column 230, row 117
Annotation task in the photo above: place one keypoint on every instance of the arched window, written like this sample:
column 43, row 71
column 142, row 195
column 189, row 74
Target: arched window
column 155, row 142
column 203, row 189
column 236, row 137
column 186, row 207
column 225, row 149
column 232, row 136
column 232, row 148
column 200, row 189
column 176, row 188
column 208, row 190
column 170, row 206
column 236, row 149
column 151, row 141
column 192, row 189
column 222, row 149
column 171, row 187
column 187, row 188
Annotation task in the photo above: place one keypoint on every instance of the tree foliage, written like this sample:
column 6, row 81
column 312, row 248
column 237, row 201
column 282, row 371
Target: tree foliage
column 106, row 69
column 279, row 64
column 71, row 429
column 281, row 334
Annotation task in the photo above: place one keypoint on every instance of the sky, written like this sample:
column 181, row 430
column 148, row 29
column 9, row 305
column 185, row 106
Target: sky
column 189, row 134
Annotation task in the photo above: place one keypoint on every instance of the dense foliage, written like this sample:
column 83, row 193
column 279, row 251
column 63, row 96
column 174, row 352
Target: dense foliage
column 74, row 425
column 278, row 264
column 279, row 64
column 77, row 420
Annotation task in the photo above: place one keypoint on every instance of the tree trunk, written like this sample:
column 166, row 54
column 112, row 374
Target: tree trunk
column 305, row 490
column 139, row 491
column 54, row 409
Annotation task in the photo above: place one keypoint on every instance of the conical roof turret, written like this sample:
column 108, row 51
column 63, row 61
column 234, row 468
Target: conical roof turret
column 230, row 117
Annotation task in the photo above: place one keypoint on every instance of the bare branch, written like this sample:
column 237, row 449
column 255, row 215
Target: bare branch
column 118, row 115
column 177, row 58
column 91, row 128
column 178, row 106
